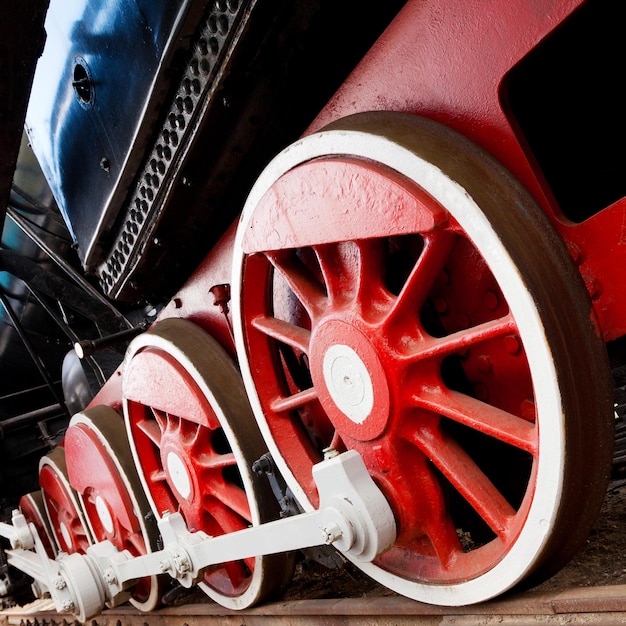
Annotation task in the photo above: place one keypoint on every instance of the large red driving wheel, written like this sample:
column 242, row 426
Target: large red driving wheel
column 194, row 440
column 101, row 469
column 63, row 508
column 396, row 292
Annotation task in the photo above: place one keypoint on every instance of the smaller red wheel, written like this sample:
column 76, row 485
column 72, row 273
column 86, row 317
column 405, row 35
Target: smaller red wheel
column 33, row 509
column 194, row 440
column 101, row 469
column 65, row 514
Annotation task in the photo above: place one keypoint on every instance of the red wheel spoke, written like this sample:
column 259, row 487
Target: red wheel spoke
column 158, row 476
column 482, row 417
column 66, row 516
column 469, row 480
column 337, row 271
column 236, row 571
column 151, row 429
column 438, row 524
column 301, row 280
column 439, row 347
column 437, row 247
column 160, row 416
column 295, row 401
column 135, row 544
column 286, row 333
column 233, row 508
column 216, row 461
column 353, row 271
column 371, row 273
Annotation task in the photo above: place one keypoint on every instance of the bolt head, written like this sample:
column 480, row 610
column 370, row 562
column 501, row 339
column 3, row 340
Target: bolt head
column 109, row 576
column 331, row 533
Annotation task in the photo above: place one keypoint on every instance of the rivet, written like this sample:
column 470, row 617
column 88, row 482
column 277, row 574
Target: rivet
column 330, row 453
column 331, row 533
column 512, row 344
column 59, row 583
column 491, row 300
column 68, row 606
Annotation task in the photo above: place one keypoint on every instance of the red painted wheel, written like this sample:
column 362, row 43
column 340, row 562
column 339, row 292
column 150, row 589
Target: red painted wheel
column 101, row 469
column 396, row 292
column 194, row 440
column 65, row 514
column 33, row 509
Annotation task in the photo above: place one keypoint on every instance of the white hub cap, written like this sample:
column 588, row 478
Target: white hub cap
column 65, row 533
column 179, row 475
column 348, row 382
column 104, row 514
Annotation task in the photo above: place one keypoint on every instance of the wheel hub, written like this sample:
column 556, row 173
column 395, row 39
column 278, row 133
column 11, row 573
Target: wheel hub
column 348, row 382
column 65, row 533
column 178, row 475
column 351, row 380
column 104, row 514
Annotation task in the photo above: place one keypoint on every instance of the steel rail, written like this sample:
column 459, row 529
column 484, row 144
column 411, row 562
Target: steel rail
column 604, row 605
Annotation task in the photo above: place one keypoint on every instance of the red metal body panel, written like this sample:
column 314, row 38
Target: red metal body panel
column 194, row 302
column 448, row 61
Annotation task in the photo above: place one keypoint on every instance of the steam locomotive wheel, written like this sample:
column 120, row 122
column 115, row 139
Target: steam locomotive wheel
column 102, row 471
column 194, row 440
column 396, row 292
column 34, row 510
column 65, row 514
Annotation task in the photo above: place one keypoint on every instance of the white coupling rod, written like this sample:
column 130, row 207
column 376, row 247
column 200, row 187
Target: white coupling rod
column 353, row 515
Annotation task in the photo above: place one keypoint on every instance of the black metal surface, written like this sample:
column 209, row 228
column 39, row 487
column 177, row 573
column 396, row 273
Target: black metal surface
column 151, row 120
column 21, row 41
column 104, row 70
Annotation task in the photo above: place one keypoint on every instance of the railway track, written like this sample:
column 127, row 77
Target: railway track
column 584, row 605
